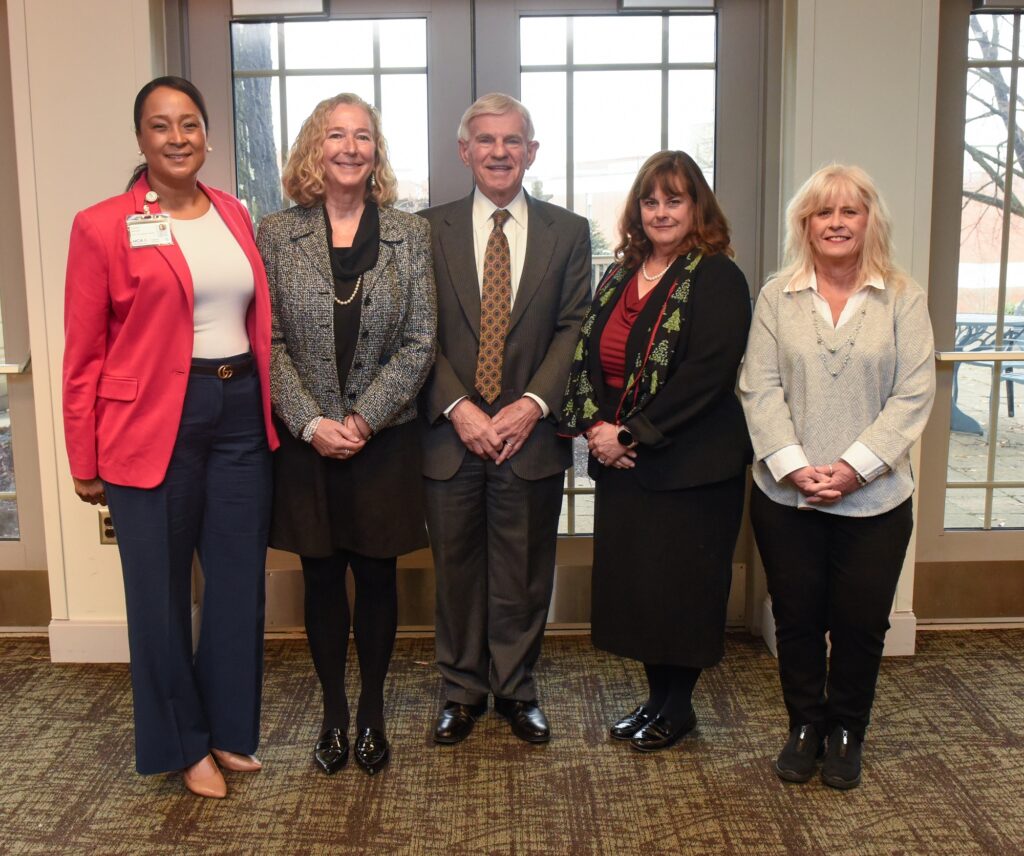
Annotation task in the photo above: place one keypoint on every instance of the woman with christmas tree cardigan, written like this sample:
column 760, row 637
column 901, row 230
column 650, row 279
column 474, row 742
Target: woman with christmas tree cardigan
column 837, row 386
column 652, row 389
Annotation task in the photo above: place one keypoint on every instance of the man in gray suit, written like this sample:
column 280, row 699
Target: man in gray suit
column 513, row 276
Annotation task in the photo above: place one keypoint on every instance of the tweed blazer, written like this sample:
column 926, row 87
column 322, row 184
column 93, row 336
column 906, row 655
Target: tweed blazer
column 397, row 325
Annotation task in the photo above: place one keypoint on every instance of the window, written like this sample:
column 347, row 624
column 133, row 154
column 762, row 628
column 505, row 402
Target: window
column 282, row 71
column 663, row 67
column 985, row 469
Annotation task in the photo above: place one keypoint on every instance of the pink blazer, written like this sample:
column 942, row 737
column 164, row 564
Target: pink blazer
column 128, row 334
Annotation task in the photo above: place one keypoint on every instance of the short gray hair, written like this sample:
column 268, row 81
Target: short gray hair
column 495, row 104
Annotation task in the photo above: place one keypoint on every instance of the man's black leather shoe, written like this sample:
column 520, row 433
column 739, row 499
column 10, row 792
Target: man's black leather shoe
column 798, row 758
column 456, row 720
column 659, row 733
column 372, row 751
column 631, row 723
column 526, row 718
column 841, row 768
column 331, row 751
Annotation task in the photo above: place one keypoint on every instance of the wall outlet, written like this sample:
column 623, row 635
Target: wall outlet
column 107, row 533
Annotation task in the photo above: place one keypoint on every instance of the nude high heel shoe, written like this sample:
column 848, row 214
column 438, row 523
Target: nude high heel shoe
column 237, row 763
column 204, row 779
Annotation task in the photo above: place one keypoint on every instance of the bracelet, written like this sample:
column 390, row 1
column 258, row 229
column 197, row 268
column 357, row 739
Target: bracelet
column 860, row 479
column 310, row 429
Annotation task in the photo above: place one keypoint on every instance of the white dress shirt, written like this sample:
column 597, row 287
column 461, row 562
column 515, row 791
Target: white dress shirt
column 515, row 233
column 791, row 458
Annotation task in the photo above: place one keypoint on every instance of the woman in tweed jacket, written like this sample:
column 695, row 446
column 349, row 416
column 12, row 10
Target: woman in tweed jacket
column 837, row 386
column 352, row 340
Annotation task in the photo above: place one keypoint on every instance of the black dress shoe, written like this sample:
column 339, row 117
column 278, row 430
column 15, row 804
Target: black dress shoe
column 526, row 718
column 456, row 720
column 631, row 723
column 841, row 768
column 659, row 733
column 331, row 751
column 372, row 751
column 798, row 758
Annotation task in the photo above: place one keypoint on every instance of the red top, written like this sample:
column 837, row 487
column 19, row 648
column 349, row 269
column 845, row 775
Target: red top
column 128, row 340
column 616, row 332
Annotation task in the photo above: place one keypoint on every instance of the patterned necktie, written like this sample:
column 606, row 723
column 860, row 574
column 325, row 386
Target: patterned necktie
column 495, row 309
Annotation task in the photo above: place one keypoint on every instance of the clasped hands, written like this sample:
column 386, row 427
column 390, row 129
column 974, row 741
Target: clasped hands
column 603, row 442
column 341, row 440
column 826, row 484
column 497, row 437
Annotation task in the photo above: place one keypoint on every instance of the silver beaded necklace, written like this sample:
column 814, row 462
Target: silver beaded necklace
column 828, row 352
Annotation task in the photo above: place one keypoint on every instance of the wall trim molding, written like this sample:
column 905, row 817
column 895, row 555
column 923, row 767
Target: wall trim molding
column 900, row 641
column 74, row 641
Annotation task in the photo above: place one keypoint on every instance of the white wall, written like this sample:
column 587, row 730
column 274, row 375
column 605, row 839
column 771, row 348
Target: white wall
column 859, row 87
column 75, row 67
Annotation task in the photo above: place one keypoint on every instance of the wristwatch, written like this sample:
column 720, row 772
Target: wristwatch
column 625, row 438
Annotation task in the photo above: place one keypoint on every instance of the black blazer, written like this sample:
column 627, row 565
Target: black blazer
column 693, row 431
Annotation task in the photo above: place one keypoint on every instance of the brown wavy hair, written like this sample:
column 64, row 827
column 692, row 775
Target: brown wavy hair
column 675, row 173
column 303, row 176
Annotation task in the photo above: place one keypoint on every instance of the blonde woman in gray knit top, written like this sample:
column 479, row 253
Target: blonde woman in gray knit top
column 837, row 385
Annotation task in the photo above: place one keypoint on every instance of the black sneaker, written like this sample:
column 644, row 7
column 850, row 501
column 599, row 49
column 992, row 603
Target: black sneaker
column 842, row 761
column 797, row 760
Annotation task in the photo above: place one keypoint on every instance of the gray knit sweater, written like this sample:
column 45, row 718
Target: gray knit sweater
column 877, row 389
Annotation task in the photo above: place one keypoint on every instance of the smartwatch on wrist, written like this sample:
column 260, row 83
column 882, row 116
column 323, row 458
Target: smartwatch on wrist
column 625, row 438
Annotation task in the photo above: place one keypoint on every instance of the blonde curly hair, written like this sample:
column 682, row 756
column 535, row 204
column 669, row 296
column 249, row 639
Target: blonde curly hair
column 303, row 177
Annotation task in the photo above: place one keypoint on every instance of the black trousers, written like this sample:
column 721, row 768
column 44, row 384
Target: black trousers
column 215, row 499
column 836, row 575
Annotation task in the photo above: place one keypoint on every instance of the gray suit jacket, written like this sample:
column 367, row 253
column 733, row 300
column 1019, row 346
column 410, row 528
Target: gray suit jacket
column 397, row 326
column 552, row 298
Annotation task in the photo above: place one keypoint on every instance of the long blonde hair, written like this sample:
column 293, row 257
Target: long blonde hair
column 303, row 176
column 838, row 182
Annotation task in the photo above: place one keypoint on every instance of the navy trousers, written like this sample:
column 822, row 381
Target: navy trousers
column 215, row 500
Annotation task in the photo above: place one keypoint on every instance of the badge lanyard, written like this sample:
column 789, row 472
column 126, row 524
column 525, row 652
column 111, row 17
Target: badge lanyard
column 147, row 229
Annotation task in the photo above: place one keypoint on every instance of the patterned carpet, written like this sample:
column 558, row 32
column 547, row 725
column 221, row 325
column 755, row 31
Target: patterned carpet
column 944, row 769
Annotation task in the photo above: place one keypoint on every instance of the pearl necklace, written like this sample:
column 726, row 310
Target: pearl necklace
column 657, row 276
column 352, row 296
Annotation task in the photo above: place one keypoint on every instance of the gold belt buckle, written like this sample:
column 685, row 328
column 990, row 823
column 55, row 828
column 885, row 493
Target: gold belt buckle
column 225, row 372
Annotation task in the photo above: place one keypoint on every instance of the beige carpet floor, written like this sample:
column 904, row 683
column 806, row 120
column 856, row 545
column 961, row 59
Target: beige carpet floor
column 943, row 774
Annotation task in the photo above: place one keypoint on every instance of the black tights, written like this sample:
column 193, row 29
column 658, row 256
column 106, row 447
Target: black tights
column 671, row 690
column 327, row 626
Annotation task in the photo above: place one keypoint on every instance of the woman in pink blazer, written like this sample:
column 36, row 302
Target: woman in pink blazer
column 167, row 420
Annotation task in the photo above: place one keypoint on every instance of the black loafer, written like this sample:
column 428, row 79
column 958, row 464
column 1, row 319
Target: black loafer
column 631, row 723
column 841, row 768
column 372, row 751
column 331, row 751
column 659, row 733
column 798, row 758
column 526, row 718
column 456, row 720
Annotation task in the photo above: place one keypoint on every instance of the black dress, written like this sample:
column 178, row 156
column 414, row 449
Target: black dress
column 372, row 503
column 665, row 530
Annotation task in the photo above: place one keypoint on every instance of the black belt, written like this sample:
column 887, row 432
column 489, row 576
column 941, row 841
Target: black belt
column 225, row 371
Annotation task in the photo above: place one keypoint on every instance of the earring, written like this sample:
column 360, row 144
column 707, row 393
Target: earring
column 209, row 148
column 373, row 180
column 140, row 152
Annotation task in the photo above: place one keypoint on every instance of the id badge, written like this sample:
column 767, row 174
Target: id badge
column 149, row 230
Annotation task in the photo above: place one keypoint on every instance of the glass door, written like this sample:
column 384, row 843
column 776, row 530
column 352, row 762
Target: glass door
column 971, row 497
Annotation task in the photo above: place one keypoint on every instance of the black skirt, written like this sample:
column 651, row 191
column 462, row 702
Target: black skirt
column 662, row 569
column 370, row 504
